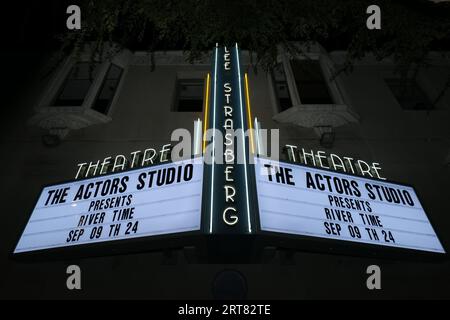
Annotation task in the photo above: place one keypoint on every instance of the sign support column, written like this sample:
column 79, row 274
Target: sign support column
column 227, row 180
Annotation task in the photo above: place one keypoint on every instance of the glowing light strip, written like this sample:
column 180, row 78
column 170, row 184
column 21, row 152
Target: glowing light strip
column 258, row 138
column 205, row 127
column 198, row 137
column 243, row 140
column 249, row 114
column 214, row 143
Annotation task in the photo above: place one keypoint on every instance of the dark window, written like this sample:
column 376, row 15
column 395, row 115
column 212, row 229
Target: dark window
column 189, row 96
column 281, row 88
column 108, row 89
column 311, row 84
column 409, row 94
column 77, row 84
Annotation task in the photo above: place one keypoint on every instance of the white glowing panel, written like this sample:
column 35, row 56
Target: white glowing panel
column 319, row 203
column 157, row 200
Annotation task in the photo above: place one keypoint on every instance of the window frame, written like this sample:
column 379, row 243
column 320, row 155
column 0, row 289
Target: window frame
column 46, row 104
column 275, row 97
column 116, row 92
column 65, row 82
column 326, row 65
column 188, row 76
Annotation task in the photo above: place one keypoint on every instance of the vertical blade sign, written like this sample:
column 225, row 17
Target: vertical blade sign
column 229, row 208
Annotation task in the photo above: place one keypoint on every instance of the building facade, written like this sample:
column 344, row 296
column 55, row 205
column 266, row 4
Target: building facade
column 85, row 112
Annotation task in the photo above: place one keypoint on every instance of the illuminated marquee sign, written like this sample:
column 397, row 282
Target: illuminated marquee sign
column 226, row 195
column 229, row 208
column 332, row 161
column 159, row 200
column 136, row 159
column 311, row 202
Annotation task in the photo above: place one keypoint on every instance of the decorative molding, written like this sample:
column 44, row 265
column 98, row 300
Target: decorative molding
column 59, row 120
column 177, row 58
column 434, row 58
column 315, row 115
column 318, row 115
column 161, row 58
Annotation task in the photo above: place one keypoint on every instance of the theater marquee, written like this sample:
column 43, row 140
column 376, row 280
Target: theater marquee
column 231, row 203
column 159, row 200
column 311, row 202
